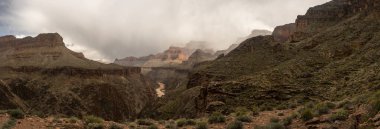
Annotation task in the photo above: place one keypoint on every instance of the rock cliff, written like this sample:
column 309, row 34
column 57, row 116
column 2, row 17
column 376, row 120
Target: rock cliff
column 41, row 76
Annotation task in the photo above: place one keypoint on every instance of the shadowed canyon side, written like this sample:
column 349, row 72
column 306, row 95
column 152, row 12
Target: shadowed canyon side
column 41, row 76
column 330, row 53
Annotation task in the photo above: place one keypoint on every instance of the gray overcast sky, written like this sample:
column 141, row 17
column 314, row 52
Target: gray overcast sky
column 109, row 29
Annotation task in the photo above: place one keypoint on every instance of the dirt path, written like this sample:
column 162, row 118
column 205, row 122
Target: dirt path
column 161, row 89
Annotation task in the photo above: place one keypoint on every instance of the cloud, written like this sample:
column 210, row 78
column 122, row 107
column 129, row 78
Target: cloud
column 108, row 29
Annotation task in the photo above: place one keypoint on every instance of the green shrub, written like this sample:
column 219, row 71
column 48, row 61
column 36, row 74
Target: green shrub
column 274, row 120
column 330, row 105
column 275, row 126
column 201, row 125
column 144, row 122
column 282, row 107
column 16, row 113
column 321, row 109
column 95, row 126
column 309, row 105
column 9, row 124
column 73, row 119
column 235, row 125
column 115, row 126
column 255, row 111
column 185, row 122
column 374, row 107
column 216, row 117
column 241, row 111
column 340, row 115
column 306, row 115
column 244, row 118
column 152, row 127
column 345, row 104
column 287, row 121
column 92, row 119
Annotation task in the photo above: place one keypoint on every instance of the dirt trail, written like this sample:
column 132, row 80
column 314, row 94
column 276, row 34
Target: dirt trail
column 161, row 89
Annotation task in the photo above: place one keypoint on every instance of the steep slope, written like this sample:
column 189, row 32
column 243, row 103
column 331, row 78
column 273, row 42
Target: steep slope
column 331, row 55
column 41, row 76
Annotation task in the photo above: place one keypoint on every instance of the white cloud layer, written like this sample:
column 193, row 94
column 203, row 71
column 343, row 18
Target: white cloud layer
column 108, row 29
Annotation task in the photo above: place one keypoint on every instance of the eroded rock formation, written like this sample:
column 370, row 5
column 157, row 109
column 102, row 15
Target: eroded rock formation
column 41, row 76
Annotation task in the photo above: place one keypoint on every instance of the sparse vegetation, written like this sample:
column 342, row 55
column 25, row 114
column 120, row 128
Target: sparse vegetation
column 115, row 126
column 287, row 121
column 235, row 125
column 95, row 126
column 216, row 117
column 306, row 114
column 201, row 125
column 321, row 109
column 340, row 115
column 274, row 120
column 9, row 124
column 241, row 111
column 244, row 118
column 92, row 119
column 16, row 113
column 73, row 119
column 185, row 122
column 144, row 122
column 152, row 127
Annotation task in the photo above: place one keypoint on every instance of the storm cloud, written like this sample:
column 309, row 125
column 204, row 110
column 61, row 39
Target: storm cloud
column 109, row 29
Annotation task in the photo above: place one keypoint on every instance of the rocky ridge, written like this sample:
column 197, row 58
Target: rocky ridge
column 329, row 56
column 41, row 76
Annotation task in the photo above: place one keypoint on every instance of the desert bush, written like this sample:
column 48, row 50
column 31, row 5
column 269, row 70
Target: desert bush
column 287, row 121
column 235, row 125
column 282, row 107
column 216, row 117
column 321, row 109
column 309, row 105
column 374, row 107
column 115, row 126
column 73, row 119
column 201, row 125
column 255, row 111
column 92, row 119
column 16, row 113
column 340, row 115
column 241, row 111
column 330, row 105
column 306, row 115
column 280, row 114
column 95, row 126
column 152, row 127
column 9, row 124
column 345, row 104
column 275, row 126
column 185, row 122
column 144, row 122
column 274, row 120
column 244, row 118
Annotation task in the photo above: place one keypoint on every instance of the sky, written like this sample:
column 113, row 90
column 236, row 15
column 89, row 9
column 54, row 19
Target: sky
column 109, row 29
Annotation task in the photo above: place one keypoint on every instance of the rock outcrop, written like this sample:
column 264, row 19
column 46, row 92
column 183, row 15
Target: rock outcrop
column 41, row 76
column 283, row 33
